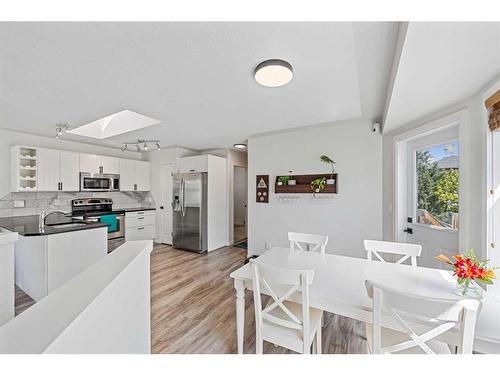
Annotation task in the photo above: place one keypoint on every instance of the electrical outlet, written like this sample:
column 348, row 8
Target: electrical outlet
column 19, row 204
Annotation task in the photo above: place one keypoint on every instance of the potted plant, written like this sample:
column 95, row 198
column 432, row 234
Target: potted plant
column 283, row 180
column 327, row 160
column 468, row 269
column 318, row 185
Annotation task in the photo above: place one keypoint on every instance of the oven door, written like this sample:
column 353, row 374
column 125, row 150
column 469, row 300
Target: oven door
column 120, row 228
column 89, row 182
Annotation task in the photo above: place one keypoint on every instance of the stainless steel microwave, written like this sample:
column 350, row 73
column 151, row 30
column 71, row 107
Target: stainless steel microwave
column 99, row 182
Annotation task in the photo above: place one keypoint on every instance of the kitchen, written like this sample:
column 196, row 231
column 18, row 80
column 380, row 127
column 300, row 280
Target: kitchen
column 70, row 209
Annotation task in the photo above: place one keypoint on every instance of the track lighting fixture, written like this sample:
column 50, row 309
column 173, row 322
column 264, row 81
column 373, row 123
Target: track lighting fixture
column 61, row 128
column 141, row 145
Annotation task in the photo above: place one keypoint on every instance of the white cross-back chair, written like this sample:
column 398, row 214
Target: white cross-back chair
column 294, row 326
column 407, row 250
column 307, row 242
column 420, row 321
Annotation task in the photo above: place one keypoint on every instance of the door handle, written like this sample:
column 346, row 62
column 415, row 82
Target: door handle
column 161, row 207
column 408, row 230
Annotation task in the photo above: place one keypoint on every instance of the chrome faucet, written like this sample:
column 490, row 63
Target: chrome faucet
column 44, row 214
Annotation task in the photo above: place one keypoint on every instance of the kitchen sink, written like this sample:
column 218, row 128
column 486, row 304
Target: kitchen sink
column 67, row 225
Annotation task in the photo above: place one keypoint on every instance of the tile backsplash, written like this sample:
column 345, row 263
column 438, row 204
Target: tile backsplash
column 35, row 202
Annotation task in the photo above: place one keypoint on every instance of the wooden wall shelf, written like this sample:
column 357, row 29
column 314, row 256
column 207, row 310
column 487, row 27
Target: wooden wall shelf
column 304, row 184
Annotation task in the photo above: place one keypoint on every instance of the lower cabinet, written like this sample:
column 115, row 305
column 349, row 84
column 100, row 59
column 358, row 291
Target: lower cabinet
column 44, row 263
column 140, row 225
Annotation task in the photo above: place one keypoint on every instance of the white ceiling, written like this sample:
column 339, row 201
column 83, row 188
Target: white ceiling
column 197, row 78
column 441, row 64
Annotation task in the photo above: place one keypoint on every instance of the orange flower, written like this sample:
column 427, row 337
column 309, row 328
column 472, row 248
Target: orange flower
column 458, row 258
column 490, row 274
column 443, row 258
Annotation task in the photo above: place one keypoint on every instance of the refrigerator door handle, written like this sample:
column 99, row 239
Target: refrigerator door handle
column 183, row 197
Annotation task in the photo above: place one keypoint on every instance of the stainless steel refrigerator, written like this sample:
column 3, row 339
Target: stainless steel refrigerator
column 190, row 211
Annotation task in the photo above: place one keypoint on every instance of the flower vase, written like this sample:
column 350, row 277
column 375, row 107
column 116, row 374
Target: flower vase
column 468, row 289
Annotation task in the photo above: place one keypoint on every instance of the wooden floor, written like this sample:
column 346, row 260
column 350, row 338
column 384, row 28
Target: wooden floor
column 239, row 233
column 193, row 309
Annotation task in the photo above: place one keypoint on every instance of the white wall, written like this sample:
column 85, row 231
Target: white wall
column 10, row 138
column 356, row 211
column 240, row 195
column 473, row 146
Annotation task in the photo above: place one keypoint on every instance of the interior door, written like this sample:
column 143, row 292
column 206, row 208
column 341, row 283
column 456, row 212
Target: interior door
column 69, row 165
column 432, row 207
column 165, row 225
column 48, row 169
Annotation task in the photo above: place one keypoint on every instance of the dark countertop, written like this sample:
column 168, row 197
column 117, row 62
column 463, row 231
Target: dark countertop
column 28, row 225
column 139, row 209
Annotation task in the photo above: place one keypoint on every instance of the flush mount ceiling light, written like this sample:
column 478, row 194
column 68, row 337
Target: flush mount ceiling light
column 240, row 145
column 273, row 73
column 141, row 145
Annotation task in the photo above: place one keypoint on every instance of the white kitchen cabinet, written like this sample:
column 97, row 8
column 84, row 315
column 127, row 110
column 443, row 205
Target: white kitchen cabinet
column 43, row 263
column 193, row 164
column 69, row 167
column 48, row 170
column 57, row 170
column 23, row 168
column 142, row 175
column 135, row 175
column 127, row 175
column 92, row 163
column 110, row 165
column 140, row 225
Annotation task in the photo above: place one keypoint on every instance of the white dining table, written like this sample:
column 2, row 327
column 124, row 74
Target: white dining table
column 339, row 287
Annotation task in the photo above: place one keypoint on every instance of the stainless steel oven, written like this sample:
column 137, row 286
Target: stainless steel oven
column 99, row 182
column 93, row 209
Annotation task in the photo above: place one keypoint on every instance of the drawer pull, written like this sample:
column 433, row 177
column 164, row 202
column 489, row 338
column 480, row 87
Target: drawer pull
column 141, row 228
column 140, row 213
column 140, row 218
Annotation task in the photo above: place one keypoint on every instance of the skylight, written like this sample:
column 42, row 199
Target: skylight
column 115, row 124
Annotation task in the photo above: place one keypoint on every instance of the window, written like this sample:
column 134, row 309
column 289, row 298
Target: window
column 437, row 185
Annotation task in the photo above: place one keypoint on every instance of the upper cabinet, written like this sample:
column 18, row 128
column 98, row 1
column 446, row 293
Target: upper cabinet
column 93, row 163
column 193, row 164
column 127, row 175
column 23, row 168
column 44, row 169
column 110, row 165
column 135, row 175
column 57, row 170
column 143, row 175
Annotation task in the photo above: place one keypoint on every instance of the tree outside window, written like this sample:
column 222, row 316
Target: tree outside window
column 437, row 186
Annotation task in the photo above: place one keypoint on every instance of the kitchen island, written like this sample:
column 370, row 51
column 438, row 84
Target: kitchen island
column 45, row 258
